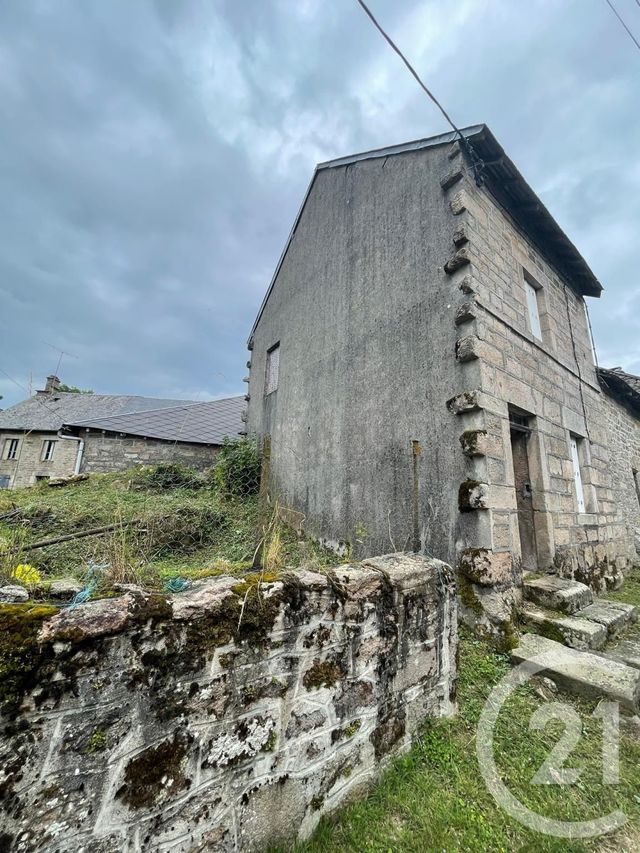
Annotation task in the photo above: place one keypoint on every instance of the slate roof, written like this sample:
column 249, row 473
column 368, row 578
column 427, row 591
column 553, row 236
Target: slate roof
column 622, row 386
column 508, row 186
column 197, row 423
column 48, row 412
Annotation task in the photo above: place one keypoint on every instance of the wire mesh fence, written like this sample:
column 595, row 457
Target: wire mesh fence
column 145, row 526
column 165, row 526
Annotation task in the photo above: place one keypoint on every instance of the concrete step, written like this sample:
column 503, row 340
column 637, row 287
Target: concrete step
column 627, row 651
column 570, row 630
column 557, row 593
column 613, row 615
column 582, row 673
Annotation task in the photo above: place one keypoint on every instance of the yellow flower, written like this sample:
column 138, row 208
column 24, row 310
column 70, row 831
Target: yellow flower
column 24, row 573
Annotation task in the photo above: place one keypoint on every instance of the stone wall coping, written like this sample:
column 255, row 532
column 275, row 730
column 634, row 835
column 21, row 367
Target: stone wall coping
column 355, row 582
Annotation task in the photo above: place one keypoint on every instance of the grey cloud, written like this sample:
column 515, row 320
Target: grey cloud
column 154, row 155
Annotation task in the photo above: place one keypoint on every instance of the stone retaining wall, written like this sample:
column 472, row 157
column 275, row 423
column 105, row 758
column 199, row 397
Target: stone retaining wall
column 228, row 717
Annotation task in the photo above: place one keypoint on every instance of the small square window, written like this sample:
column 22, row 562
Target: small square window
column 272, row 369
column 48, row 449
column 533, row 290
column 11, row 447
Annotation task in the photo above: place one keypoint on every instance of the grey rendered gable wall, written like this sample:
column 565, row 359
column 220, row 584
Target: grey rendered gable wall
column 364, row 314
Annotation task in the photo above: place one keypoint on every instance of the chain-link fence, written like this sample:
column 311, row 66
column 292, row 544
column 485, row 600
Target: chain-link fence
column 168, row 525
column 146, row 526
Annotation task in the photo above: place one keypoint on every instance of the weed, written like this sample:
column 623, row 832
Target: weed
column 97, row 742
column 237, row 468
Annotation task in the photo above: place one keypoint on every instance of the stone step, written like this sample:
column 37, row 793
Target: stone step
column 557, row 593
column 627, row 651
column 613, row 615
column 583, row 673
column 570, row 630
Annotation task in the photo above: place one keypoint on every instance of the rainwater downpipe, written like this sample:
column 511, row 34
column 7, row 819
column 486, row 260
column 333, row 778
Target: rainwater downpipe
column 80, row 441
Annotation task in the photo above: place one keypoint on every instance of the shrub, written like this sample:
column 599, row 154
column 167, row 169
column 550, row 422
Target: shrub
column 237, row 468
column 168, row 475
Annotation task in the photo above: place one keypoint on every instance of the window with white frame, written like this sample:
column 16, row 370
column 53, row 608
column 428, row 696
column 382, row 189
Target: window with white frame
column 11, row 447
column 48, row 449
column 272, row 369
column 533, row 291
column 576, row 442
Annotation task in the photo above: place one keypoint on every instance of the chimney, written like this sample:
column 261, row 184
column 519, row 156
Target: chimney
column 53, row 383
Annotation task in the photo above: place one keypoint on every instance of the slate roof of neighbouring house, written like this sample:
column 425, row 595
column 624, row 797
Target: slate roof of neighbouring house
column 48, row 412
column 624, row 387
column 196, row 423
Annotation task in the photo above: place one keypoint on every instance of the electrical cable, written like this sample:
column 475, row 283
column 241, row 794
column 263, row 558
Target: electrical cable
column 476, row 161
column 622, row 21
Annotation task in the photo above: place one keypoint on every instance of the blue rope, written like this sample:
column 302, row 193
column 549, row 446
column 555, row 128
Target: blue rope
column 92, row 577
column 177, row 584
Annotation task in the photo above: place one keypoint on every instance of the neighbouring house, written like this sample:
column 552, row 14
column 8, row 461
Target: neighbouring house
column 55, row 434
column 623, row 419
column 423, row 370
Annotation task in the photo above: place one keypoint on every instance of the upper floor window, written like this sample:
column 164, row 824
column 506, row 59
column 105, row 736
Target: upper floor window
column 272, row 369
column 11, row 447
column 533, row 292
column 636, row 480
column 576, row 442
column 48, row 449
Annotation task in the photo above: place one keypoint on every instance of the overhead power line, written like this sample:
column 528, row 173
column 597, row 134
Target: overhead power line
column 622, row 21
column 475, row 160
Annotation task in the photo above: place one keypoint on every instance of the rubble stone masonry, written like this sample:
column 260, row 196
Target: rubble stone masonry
column 229, row 717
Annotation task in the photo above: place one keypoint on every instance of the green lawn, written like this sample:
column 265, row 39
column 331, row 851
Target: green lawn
column 434, row 798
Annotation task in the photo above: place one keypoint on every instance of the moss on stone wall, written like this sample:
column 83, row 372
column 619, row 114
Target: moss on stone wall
column 322, row 674
column 470, row 441
column 154, row 774
column 20, row 654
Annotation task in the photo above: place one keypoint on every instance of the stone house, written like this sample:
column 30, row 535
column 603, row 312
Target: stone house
column 56, row 434
column 423, row 369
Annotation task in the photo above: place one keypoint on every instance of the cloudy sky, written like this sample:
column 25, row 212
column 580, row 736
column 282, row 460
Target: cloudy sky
column 153, row 156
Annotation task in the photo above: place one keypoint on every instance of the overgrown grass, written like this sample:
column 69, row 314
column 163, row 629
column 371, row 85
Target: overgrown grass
column 162, row 529
column 434, row 797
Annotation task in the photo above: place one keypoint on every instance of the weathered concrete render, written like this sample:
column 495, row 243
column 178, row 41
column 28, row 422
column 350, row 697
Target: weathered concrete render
column 228, row 717
column 401, row 312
